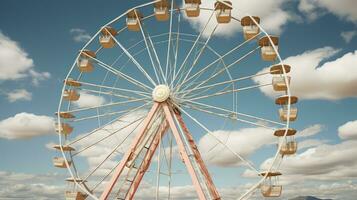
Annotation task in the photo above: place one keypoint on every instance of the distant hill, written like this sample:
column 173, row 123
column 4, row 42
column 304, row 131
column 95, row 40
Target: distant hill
column 307, row 198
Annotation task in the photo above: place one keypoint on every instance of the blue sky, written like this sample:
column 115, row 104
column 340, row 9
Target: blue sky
column 39, row 41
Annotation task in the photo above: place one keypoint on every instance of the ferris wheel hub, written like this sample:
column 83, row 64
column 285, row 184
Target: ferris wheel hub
column 161, row 93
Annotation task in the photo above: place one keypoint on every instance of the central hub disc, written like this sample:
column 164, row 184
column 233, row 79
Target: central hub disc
column 161, row 93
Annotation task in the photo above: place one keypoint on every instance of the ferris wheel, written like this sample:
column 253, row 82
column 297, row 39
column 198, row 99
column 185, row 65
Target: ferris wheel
column 147, row 87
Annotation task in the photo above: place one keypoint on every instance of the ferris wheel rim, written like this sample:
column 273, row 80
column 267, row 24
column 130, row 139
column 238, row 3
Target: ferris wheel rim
column 59, row 121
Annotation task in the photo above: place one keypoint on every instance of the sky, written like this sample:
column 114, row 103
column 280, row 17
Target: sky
column 40, row 40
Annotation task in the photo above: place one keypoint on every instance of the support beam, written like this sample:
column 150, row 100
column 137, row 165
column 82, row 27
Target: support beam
column 128, row 154
column 211, row 187
column 184, row 154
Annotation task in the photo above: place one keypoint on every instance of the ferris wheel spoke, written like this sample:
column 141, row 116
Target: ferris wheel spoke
column 229, row 66
column 199, row 55
column 119, row 73
column 169, row 42
column 109, row 104
column 145, row 38
column 107, row 136
column 137, row 64
column 141, row 93
column 237, row 113
column 193, row 46
column 177, row 47
column 103, row 126
column 193, row 82
column 231, row 91
column 113, row 151
column 105, row 177
column 111, row 94
column 228, row 116
column 224, row 82
column 112, row 113
column 248, row 163
column 220, row 58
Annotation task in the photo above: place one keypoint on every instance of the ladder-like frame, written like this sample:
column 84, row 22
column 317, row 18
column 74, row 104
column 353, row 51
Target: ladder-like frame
column 137, row 160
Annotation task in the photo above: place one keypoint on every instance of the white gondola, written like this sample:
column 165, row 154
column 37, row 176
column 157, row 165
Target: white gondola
column 161, row 10
column 72, row 83
column 60, row 162
column 192, row 8
column 267, row 49
column 133, row 20
column 75, row 195
column 250, row 29
column 71, row 95
column 223, row 11
column 65, row 148
column 283, row 111
column 64, row 128
column 84, row 63
column 271, row 190
column 106, row 37
column 271, row 187
column 65, row 115
column 289, row 148
column 279, row 83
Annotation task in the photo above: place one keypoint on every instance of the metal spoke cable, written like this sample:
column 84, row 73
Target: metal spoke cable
column 147, row 47
column 113, row 151
column 221, row 57
column 119, row 73
column 229, row 66
column 238, row 113
column 226, row 82
column 199, row 55
column 250, row 165
column 230, row 91
column 189, row 53
column 107, row 136
column 133, row 59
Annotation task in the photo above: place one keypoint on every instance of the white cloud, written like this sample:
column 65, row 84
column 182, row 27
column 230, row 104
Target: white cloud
column 19, row 95
column 348, row 130
column 310, row 143
column 38, row 76
column 347, row 36
column 244, row 142
column 118, row 132
column 30, row 186
column 344, row 9
column 324, row 162
column 26, row 125
column 89, row 100
column 80, row 35
column 273, row 16
column 15, row 62
column 310, row 80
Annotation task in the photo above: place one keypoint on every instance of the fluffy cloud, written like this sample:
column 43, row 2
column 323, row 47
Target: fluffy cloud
column 19, row 95
column 26, row 125
column 344, row 9
column 347, row 36
column 15, row 62
column 273, row 16
column 310, row 80
column 323, row 162
column 118, row 132
column 244, row 142
column 79, row 35
column 31, row 186
column 89, row 100
column 348, row 130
